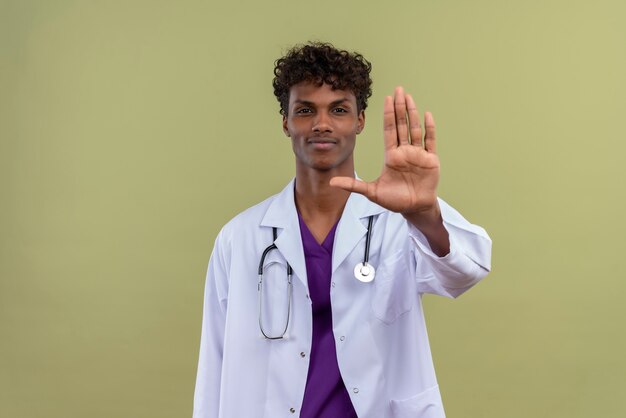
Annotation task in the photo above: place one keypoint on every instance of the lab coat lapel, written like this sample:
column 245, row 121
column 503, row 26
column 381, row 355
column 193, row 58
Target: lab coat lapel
column 352, row 226
column 282, row 214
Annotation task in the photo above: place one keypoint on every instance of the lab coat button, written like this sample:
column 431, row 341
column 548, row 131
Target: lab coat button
column 355, row 390
column 333, row 284
column 302, row 354
column 292, row 410
column 342, row 338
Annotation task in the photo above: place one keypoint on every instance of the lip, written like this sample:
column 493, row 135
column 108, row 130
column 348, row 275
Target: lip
column 322, row 143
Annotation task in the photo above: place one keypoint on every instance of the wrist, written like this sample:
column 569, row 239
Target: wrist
column 430, row 223
column 426, row 218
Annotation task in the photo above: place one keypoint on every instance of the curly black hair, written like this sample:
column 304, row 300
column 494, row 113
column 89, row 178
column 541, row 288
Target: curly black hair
column 320, row 62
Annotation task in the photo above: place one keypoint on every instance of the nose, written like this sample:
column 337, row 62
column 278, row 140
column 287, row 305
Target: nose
column 322, row 123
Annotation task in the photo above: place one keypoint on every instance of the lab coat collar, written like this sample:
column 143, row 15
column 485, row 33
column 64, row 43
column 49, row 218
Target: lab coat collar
column 351, row 229
column 282, row 214
column 352, row 226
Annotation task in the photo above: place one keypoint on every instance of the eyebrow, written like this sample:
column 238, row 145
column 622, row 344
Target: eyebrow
column 333, row 103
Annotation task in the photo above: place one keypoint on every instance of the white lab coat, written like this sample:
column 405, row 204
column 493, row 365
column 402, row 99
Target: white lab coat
column 380, row 333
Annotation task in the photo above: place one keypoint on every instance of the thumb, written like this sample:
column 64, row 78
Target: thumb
column 350, row 184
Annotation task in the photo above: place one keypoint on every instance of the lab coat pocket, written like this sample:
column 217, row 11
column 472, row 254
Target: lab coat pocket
column 394, row 289
column 425, row 404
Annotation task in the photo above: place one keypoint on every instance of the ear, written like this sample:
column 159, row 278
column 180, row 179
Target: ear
column 285, row 130
column 360, row 122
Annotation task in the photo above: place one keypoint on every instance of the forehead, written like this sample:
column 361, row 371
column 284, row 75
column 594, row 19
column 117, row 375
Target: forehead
column 318, row 94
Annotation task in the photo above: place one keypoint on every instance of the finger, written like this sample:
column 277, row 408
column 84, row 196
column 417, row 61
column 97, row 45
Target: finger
column 414, row 121
column 400, row 110
column 350, row 184
column 430, row 144
column 389, row 124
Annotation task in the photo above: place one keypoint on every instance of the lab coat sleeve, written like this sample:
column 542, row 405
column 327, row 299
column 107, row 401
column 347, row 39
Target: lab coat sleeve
column 468, row 261
column 207, row 392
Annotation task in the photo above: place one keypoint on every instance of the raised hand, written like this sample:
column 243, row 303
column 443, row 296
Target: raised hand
column 408, row 182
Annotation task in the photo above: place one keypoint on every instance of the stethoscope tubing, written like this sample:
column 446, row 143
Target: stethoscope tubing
column 363, row 272
column 260, row 290
column 368, row 238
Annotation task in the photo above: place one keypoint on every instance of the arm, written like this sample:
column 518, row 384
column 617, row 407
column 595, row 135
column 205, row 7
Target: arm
column 208, row 380
column 447, row 244
column 467, row 262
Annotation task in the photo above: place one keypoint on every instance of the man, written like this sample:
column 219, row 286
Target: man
column 335, row 327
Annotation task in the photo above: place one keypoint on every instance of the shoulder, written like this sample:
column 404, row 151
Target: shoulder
column 245, row 222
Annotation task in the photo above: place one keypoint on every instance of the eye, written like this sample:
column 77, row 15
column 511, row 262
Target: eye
column 304, row 110
column 340, row 110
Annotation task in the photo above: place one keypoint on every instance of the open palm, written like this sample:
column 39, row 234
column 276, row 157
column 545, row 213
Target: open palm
column 408, row 181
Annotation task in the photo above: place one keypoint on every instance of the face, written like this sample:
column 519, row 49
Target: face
column 322, row 124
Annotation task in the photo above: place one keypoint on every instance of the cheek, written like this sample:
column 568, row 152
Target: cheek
column 297, row 130
column 291, row 129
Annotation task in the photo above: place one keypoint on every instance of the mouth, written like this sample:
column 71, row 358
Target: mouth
column 322, row 143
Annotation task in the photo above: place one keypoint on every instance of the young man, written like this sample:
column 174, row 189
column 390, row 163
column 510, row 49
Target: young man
column 313, row 297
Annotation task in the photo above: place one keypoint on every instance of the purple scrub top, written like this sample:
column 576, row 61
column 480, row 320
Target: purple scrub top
column 325, row 395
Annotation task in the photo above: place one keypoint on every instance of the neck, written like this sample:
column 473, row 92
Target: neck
column 319, row 204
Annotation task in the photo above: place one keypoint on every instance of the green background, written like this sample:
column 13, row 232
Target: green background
column 131, row 131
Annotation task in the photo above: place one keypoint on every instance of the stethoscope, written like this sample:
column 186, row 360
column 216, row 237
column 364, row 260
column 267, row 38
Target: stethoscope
column 363, row 272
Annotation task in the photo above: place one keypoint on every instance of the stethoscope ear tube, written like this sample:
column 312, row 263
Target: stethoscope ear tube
column 267, row 250
column 283, row 334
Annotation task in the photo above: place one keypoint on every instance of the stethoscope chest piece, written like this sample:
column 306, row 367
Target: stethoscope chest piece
column 364, row 272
